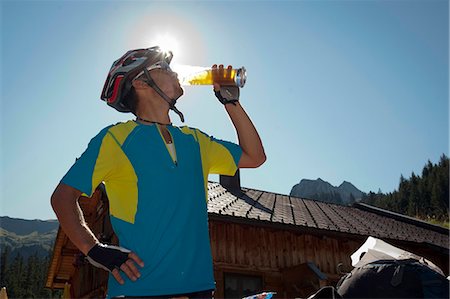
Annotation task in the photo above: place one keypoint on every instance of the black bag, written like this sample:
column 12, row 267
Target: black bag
column 393, row 279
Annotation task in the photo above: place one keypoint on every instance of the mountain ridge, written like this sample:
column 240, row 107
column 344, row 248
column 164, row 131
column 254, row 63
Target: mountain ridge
column 322, row 190
column 27, row 237
column 24, row 227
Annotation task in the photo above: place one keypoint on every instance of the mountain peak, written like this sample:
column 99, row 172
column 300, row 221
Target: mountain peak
column 319, row 189
column 345, row 183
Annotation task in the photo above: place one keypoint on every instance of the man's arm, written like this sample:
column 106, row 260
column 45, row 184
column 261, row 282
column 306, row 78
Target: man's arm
column 252, row 149
column 64, row 201
column 65, row 204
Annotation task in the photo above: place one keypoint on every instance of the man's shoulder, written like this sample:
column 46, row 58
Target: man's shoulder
column 192, row 130
column 198, row 134
column 120, row 130
column 122, row 125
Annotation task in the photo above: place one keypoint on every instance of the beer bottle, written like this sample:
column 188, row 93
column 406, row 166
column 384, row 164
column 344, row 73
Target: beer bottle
column 227, row 77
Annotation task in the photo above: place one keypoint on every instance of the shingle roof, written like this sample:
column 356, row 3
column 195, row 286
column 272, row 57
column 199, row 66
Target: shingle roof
column 360, row 219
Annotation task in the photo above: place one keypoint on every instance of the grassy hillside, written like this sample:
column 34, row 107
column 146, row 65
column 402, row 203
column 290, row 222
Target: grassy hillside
column 26, row 227
column 27, row 237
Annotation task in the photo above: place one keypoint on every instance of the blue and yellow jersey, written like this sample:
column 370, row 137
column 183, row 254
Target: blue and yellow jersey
column 158, row 206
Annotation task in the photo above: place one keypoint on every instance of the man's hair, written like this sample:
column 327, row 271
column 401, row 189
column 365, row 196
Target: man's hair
column 131, row 100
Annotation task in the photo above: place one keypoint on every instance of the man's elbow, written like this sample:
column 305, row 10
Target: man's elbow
column 252, row 161
column 259, row 160
column 55, row 201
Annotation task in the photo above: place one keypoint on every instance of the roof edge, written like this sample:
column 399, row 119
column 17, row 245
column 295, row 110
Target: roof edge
column 404, row 218
column 248, row 188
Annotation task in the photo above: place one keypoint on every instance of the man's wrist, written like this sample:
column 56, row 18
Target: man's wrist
column 85, row 248
column 232, row 106
column 107, row 257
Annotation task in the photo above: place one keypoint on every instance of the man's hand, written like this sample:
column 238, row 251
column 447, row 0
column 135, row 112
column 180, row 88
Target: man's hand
column 112, row 258
column 225, row 94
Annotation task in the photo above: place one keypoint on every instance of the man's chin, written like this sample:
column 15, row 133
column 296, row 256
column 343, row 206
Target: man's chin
column 181, row 92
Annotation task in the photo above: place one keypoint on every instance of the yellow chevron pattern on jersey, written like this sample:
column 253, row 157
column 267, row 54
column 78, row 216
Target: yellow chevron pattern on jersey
column 227, row 166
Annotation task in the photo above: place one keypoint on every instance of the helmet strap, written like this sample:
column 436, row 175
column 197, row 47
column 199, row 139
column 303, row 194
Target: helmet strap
column 158, row 90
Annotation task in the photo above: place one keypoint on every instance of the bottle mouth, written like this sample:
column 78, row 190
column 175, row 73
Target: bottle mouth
column 241, row 77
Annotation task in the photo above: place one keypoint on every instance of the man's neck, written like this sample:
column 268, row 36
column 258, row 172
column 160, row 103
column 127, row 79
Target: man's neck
column 151, row 122
column 153, row 114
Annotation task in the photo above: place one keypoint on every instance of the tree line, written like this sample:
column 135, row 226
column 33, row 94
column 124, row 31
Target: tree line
column 25, row 278
column 424, row 196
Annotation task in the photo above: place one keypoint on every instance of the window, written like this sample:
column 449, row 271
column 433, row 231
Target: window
column 239, row 285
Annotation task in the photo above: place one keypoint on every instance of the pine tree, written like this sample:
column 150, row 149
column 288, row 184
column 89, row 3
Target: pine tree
column 414, row 196
column 439, row 190
column 40, row 291
column 425, row 198
column 14, row 276
column 403, row 195
column 27, row 285
column 4, row 265
column 444, row 164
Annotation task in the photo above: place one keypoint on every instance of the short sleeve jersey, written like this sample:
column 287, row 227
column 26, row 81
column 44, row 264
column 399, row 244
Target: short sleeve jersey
column 158, row 207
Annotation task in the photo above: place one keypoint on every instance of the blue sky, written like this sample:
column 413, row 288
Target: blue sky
column 341, row 90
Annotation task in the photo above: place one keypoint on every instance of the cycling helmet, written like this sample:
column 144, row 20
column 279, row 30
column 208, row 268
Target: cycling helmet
column 134, row 63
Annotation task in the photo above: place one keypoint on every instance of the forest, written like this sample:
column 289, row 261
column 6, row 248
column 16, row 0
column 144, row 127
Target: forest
column 25, row 278
column 424, row 196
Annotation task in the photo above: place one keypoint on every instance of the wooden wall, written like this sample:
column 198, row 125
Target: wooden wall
column 252, row 250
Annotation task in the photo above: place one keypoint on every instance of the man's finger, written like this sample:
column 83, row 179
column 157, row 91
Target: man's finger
column 117, row 276
column 133, row 268
column 136, row 258
column 215, row 72
column 221, row 70
column 229, row 71
column 128, row 272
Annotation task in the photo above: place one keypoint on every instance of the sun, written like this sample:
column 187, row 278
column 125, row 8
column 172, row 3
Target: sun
column 168, row 42
column 178, row 35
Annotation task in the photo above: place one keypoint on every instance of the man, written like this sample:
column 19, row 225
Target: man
column 155, row 175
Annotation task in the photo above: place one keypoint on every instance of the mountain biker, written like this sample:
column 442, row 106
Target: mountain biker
column 156, row 176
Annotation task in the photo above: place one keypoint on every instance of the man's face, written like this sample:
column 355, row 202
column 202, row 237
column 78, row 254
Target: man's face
column 167, row 81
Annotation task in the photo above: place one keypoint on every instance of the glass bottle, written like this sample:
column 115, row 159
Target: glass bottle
column 204, row 76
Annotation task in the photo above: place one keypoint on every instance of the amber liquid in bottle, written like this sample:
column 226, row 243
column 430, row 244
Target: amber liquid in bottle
column 229, row 77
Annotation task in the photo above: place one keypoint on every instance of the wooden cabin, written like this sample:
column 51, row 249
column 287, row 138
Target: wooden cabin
column 263, row 241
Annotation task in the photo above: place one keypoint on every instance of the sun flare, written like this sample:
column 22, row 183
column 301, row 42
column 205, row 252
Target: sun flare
column 168, row 42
